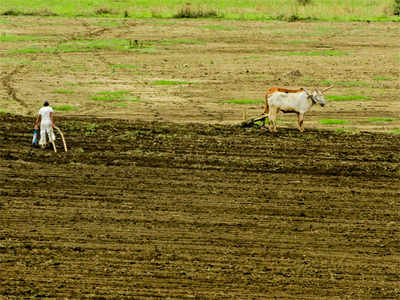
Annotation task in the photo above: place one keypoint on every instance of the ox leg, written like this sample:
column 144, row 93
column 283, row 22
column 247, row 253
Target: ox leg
column 266, row 112
column 300, row 121
column 272, row 119
column 271, row 122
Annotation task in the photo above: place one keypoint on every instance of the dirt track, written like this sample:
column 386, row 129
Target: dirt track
column 142, row 210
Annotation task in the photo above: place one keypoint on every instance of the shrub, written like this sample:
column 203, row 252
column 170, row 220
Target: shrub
column 189, row 12
column 396, row 8
column 304, row 2
column 103, row 11
column 43, row 12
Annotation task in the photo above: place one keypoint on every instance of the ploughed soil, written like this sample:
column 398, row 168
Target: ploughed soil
column 158, row 210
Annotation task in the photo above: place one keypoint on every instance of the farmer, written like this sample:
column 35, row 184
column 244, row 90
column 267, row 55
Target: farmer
column 45, row 117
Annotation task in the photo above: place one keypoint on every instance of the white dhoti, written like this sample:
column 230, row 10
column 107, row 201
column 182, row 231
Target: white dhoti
column 46, row 130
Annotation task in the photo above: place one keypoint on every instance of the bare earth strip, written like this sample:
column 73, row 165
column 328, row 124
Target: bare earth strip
column 148, row 210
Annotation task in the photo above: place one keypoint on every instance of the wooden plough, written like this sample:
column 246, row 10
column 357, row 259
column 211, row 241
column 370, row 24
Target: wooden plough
column 252, row 122
column 63, row 139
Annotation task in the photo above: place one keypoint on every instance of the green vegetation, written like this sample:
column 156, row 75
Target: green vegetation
column 110, row 96
column 219, row 27
column 83, row 46
column 344, row 83
column 328, row 10
column 333, row 122
column 64, row 92
column 171, row 82
column 190, row 12
column 380, row 120
column 64, row 108
column 108, row 23
column 347, row 98
column 380, row 78
column 114, row 96
column 244, row 101
column 2, row 111
column 89, row 128
column 396, row 7
column 120, row 104
column 15, row 38
column 396, row 131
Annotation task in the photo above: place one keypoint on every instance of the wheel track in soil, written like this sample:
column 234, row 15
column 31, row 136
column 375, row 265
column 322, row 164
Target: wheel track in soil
column 7, row 79
column 11, row 90
column 89, row 33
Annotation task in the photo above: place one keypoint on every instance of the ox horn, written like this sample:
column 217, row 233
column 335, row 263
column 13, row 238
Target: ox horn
column 329, row 87
column 317, row 90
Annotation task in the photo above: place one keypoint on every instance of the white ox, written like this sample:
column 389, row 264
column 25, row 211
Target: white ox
column 299, row 103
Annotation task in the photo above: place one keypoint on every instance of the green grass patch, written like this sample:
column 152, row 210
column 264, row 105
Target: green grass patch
column 171, row 82
column 64, row 108
column 380, row 78
column 121, row 96
column 244, row 101
column 333, row 122
column 380, row 120
column 344, row 83
column 396, row 131
column 219, row 27
column 132, row 99
column 108, row 23
column 315, row 53
column 120, row 104
column 110, row 96
column 16, row 38
column 84, row 46
column 67, row 92
column 2, row 111
column 347, row 98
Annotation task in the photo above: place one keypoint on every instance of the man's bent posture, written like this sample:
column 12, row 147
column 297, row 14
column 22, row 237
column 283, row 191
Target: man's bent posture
column 45, row 117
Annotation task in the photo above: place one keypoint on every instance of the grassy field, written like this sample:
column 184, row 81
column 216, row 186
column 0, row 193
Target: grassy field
column 292, row 10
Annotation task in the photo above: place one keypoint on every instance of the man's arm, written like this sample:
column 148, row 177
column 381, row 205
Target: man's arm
column 52, row 120
column 39, row 117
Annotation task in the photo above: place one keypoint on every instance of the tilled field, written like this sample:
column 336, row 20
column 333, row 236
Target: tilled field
column 146, row 210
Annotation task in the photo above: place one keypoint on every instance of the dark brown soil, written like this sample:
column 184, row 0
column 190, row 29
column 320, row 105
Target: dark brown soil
column 148, row 210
